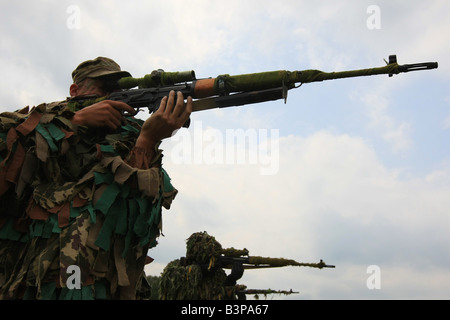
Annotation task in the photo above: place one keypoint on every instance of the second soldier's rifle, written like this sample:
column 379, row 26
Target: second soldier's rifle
column 225, row 90
column 241, row 291
column 239, row 264
column 239, row 260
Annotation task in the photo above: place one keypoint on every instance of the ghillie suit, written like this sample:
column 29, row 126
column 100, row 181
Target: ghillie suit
column 74, row 196
column 195, row 277
column 201, row 276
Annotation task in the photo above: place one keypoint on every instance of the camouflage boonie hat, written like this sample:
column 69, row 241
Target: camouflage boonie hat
column 99, row 67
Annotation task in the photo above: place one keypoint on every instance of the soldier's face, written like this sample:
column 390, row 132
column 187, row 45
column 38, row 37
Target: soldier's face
column 89, row 87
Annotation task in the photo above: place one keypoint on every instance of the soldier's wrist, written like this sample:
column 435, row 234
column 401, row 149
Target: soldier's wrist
column 145, row 157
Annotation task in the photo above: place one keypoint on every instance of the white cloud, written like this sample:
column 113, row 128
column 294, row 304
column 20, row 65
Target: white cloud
column 377, row 104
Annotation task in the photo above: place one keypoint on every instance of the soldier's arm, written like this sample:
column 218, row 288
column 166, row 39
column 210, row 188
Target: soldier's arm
column 105, row 113
column 171, row 115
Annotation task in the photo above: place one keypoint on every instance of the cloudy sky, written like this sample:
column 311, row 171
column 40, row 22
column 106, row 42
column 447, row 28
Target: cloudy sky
column 355, row 172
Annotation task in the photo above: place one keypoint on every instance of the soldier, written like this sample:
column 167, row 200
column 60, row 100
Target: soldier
column 81, row 191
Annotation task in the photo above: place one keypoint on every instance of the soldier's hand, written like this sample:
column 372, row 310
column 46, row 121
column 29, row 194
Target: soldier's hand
column 171, row 115
column 105, row 113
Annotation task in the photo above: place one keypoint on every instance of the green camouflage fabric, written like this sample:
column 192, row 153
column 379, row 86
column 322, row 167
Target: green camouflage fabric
column 69, row 197
column 191, row 282
column 199, row 279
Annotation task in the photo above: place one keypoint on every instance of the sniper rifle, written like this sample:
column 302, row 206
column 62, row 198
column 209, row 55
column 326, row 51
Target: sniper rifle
column 227, row 91
column 240, row 261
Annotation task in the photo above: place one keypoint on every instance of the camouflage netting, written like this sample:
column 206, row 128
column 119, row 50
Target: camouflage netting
column 202, row 248
column 199, row 279
column 180, row 282
column 70, row 195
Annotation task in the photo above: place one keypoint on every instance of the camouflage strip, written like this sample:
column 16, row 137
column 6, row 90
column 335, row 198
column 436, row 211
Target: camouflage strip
column 83, row 207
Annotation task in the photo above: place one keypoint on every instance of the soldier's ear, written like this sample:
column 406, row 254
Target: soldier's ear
column 74, row 90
